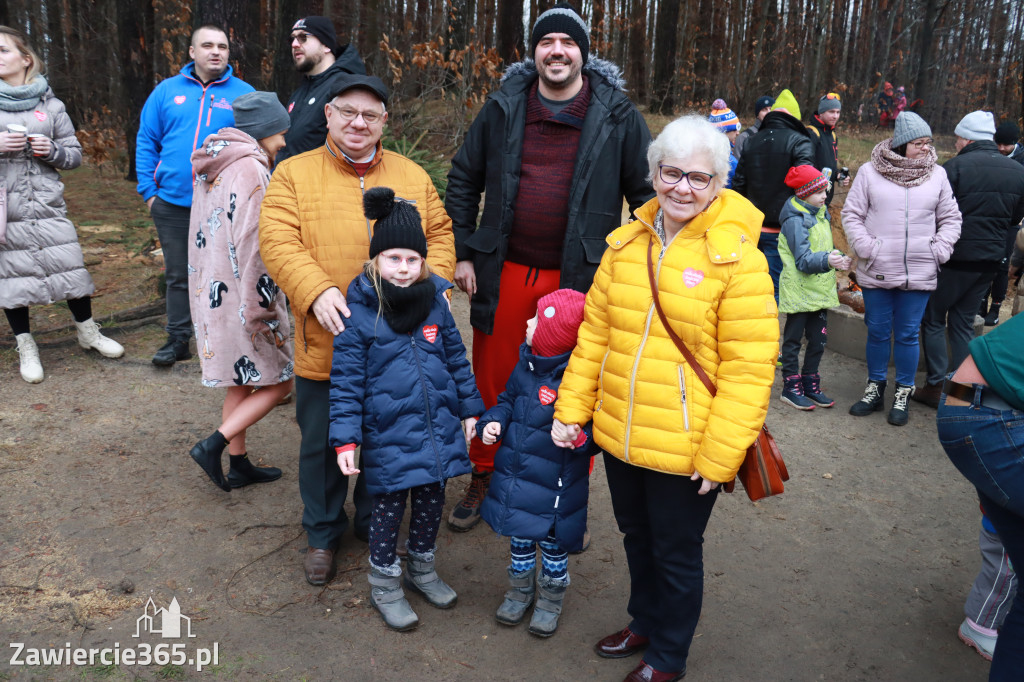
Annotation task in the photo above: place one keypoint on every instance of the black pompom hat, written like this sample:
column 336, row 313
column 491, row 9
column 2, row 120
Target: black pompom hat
column 398, row 222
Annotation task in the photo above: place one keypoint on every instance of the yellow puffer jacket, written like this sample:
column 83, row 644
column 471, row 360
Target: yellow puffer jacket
column 313, row 234
column 648, row 406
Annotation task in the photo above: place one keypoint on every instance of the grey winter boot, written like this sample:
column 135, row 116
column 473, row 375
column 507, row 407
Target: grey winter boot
column 387, row 597
column 518, row 598
column 549, row 606
column 421, row 577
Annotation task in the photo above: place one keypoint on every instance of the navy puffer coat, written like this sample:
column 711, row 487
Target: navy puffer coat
column 536, row 485
column 402, row 396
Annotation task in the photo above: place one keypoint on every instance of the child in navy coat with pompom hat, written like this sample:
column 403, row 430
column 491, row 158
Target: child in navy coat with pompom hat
column 538, row 492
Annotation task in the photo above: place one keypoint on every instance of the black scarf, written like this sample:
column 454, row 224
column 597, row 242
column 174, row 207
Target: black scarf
column 406, row 307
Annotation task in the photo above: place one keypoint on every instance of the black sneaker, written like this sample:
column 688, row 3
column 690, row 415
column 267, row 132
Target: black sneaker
column 874, row 394
column 899, row 414
column 466, row 513
column 175, row 349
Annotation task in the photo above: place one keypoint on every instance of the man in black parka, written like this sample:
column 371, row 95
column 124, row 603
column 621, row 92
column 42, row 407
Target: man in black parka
column 320, row 60
column 989, row 188
column 555, row 150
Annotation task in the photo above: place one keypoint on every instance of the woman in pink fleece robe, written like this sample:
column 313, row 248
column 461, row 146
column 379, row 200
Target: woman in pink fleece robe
column 240, row 317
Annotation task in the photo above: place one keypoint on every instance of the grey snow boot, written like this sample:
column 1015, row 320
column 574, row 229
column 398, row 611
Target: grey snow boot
column 549, row 606
column 387, row 597
column 518, row 598
column 422, row 578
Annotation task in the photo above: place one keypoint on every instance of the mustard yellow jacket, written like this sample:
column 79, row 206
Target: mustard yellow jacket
column 648, row 406
column 313, row 234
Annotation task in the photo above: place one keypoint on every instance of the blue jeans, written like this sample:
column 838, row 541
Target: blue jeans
column 768, row 243
column 987, row 446
column 888, row 313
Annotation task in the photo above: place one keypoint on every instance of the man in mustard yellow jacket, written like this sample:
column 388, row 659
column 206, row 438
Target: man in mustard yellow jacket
column 314, row 240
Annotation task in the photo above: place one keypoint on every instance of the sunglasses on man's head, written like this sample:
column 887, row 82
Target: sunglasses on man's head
column 834, row 96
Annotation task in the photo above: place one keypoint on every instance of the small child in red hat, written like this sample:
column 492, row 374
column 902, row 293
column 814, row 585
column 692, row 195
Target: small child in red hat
column 538, row 492
column 807, row 285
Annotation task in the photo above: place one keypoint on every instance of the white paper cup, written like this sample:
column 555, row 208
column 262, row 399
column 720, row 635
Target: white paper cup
column 17, row 129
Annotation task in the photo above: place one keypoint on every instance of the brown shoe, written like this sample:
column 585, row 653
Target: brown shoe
column 928, row 394
column 319, row 565
column 645, row 673
column 466, row 512
column 620, row 645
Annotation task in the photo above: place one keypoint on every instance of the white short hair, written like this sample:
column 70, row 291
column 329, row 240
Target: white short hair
column 688, row 136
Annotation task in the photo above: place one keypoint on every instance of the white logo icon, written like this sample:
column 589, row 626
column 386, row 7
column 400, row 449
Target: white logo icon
column 164, row 622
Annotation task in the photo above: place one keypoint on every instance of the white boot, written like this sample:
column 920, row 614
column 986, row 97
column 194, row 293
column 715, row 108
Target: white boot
column 89, row 336
column 31, row 369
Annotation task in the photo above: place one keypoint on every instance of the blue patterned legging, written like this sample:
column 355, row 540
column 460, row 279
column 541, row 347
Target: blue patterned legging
column 388, row 510
column 554, row 560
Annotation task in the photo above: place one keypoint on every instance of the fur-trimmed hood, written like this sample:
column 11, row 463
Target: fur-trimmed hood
column 607, row 70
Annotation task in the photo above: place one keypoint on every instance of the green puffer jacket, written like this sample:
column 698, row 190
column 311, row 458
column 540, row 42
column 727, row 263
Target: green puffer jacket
column 807, row 282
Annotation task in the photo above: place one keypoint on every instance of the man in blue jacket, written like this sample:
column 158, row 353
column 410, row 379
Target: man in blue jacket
column 178, row 116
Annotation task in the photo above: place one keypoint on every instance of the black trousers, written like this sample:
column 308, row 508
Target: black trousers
column 663, row 520
column 322, row 486
column 812, row 325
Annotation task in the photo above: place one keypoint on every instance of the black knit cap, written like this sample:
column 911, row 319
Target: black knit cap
column 322, row 28
column 398, row 222
column 1007, row 133
column 562, row 18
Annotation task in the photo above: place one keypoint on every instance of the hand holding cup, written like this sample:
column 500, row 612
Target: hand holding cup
column 14, row 139
column 41, row 144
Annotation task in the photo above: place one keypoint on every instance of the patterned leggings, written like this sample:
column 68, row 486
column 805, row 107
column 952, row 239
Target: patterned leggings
column 554, row 560
column 388, row 510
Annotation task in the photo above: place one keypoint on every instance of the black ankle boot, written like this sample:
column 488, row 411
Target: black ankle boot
column 243, row 472
column 207, row 453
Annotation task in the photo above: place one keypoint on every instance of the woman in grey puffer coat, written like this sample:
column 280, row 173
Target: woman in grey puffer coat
column 902, row 221
column 40, row 259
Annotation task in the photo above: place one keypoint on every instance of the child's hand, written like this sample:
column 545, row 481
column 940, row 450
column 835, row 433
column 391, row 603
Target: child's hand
column 347, row 459
column 469, row 429
column 564, row 435
column 491, row 434
column 839, row 261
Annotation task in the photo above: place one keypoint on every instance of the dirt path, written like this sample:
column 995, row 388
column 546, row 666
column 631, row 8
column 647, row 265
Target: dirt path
column 858, row 572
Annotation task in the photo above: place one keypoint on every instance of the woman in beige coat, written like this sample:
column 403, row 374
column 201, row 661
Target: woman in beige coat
column 40, row 259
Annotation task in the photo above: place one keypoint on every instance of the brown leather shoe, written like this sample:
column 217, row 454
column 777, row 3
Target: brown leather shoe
column 319, row 565
column 620, row 645
column 645, row 673
column 928, row 394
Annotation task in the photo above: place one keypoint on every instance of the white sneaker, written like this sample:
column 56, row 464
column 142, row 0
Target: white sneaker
column 972, row 637
column 89, row 336
column 31, row 368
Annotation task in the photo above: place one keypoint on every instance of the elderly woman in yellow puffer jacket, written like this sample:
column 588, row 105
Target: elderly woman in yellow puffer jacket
column 668, row 444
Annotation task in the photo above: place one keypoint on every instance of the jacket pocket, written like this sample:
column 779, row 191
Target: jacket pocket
column 593, row 249
column 484, row 240
column 682, row 398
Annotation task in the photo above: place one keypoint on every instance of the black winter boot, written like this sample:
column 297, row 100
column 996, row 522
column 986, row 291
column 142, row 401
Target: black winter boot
column 874, row 395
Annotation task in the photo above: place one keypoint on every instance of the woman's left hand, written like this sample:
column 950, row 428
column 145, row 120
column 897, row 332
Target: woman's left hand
column 705, row 485
column 41, row 145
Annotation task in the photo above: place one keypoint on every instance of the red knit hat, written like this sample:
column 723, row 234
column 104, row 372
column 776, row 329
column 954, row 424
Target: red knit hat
column 559, row 315
column 806, row 180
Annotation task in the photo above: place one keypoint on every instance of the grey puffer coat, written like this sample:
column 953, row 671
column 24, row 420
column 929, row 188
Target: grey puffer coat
column 40, row 261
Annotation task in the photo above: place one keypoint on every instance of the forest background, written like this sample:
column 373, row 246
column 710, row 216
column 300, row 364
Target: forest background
column 441, row 57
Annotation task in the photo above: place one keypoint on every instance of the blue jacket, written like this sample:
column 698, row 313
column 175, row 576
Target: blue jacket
column 536, row 485
column 178, row 115
column 402, row 397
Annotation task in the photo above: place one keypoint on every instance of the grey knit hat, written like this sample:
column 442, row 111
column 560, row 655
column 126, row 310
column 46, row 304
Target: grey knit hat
column 260, row 114
column 977, row 125
column 829, row 102
column 909, row 126
column 562, row 18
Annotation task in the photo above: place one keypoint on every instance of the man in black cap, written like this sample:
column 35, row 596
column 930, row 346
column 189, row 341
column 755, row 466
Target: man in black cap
column 1007, row 137
column 761, row 108
column 314, row 239
column 320, row 60
column 553, row 152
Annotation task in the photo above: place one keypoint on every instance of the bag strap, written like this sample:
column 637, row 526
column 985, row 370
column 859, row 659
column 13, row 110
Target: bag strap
column 697, row 369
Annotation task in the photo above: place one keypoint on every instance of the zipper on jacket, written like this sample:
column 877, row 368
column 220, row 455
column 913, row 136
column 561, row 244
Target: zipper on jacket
column 906, row 233
column 426, row 404
column 362, row 191
column 559, row 495
column 682, row 398
column 209, row 112
column 600, row 382
column 636, row 361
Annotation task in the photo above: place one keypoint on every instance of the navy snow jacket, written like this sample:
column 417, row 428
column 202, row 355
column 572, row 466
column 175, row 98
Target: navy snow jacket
column 402, row 397
column 536, row 485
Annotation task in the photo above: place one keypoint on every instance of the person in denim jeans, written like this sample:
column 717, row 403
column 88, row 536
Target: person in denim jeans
column 981, row 427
